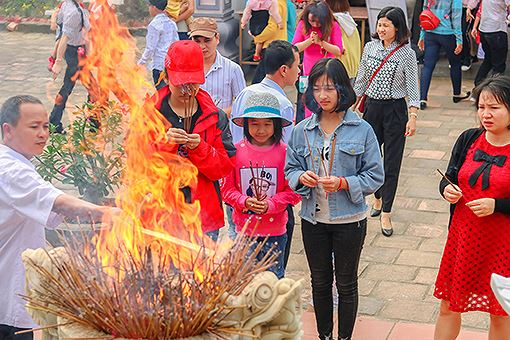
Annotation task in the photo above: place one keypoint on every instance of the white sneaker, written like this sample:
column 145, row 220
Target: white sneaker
column 465, row 67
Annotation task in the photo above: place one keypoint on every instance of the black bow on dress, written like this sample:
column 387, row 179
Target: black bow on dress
column 485, row 167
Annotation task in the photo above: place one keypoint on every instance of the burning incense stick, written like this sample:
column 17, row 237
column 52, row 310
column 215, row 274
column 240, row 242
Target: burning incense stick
column 253, row 181
column 177, row 241
column 448, row 180
column 262, row 182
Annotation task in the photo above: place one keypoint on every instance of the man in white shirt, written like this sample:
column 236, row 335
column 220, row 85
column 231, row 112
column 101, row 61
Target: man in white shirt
column 27, row 205
column 161, row 34
column 224, row 79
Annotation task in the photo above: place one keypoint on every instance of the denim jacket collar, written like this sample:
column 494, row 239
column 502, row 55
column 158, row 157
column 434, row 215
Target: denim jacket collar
column 350, row 118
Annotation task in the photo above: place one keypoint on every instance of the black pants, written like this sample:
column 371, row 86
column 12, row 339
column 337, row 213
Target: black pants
column 155, row 77
column 258, row 21
column 465, row 55
column 345, row 242
column 7, row 333
column 388, row 118
column 290, row 231
column 495, row 46
column 260, row 71
column 70, row 77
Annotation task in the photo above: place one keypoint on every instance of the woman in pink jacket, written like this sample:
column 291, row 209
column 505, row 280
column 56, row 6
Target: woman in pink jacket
column 318, row 35
column 257, row 188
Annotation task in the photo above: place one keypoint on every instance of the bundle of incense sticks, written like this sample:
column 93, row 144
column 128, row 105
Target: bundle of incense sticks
column 189, row 105
column 257, row 181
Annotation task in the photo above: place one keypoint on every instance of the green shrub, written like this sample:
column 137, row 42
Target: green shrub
column 26, row 8
column 130, row 10
column 85, row 157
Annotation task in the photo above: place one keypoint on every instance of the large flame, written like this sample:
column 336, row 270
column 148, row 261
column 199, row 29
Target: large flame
column 153, row 206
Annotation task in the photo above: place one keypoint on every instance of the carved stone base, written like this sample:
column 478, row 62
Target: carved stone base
column 267, row 308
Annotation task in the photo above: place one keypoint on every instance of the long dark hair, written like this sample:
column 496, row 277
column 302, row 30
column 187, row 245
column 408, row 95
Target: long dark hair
column 323, row 13
column 277, row 135
column 398, row 19
column 336, row 72
column 339, row 6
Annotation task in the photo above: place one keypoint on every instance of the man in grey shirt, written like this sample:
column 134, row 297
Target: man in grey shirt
column 75, row 25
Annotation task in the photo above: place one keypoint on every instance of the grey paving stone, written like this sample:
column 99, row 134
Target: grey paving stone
column 387, row 272
column 426, row 276
column 366, row 286
column 397, row 241
column 425, row 230
column 433, row 245
column 475, row 320
column 369, row 305
column 379, row 254
column 396, row 291
column 419, row 258
column 411, row 310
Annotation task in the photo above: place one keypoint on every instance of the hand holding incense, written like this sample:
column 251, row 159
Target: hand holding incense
column 448, row 180
column 177, row 136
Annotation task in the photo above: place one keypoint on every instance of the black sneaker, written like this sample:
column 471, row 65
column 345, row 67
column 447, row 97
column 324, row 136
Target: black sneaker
column 423, row 104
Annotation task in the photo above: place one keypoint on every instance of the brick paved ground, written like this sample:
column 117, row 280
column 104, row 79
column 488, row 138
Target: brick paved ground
column 397, row 273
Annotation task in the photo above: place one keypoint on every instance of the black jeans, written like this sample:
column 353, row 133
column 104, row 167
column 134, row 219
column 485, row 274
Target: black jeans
column 70, row 77
column 388, row 118
column 260, row 71
column 290, row 231
column 495, row 46
column 433, row 44
column 465, row 55
column 155, row 77
column 345, row 242
column 7, row 333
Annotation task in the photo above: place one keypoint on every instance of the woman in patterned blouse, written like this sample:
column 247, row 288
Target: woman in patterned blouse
column 385, row 106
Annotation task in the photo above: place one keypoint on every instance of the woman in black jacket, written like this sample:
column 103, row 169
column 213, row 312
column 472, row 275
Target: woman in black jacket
column 478, row 188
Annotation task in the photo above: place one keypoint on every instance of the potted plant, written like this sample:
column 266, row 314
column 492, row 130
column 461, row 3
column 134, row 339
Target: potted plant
column 90, row 154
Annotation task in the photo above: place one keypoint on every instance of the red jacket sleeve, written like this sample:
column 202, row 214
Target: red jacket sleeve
column 215, row 160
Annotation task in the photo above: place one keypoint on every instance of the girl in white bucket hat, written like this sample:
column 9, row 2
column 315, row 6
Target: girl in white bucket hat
column 257, row 188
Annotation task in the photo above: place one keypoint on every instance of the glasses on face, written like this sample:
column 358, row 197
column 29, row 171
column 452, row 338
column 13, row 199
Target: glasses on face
column 327, row 88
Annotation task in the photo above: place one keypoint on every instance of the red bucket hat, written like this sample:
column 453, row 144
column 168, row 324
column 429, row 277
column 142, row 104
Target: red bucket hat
column 184, row 63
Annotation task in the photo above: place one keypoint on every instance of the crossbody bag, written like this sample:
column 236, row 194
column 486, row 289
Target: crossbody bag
column 361, row 105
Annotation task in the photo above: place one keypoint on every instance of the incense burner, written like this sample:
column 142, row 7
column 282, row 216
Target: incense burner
column 267, row 308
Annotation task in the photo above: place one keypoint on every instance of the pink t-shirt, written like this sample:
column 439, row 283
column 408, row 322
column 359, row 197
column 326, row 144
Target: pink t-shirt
column 313, row 53
column 268, row 164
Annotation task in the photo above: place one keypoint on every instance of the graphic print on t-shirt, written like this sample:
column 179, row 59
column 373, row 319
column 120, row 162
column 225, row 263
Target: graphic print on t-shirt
column 265, row 180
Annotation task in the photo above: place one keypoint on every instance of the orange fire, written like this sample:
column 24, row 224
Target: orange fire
column 153, row 206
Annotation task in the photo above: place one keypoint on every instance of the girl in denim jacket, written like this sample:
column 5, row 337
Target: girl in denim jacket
column 333, row 162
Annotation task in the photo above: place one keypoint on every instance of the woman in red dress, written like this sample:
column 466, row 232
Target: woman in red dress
column 478, row 241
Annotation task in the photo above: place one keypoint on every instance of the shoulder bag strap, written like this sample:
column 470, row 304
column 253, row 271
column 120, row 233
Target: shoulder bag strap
column 80, row 10
column 383, row 62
